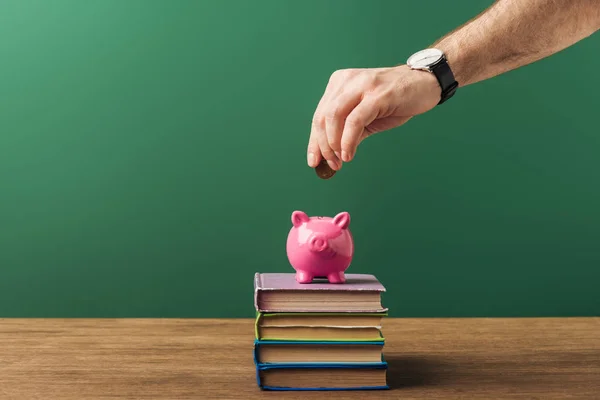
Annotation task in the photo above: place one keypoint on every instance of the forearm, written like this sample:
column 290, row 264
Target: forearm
column 514, row 33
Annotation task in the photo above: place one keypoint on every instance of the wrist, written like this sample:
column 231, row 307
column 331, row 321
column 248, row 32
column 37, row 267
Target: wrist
column 435, row 62
column 419, row 91
column 426, row 83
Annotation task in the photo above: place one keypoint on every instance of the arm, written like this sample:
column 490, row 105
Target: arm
column 511, row 33
column 514, row 33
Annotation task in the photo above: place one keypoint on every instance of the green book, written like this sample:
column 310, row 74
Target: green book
column 321, row 327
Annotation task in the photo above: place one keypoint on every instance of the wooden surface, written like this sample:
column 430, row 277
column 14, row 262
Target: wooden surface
column 212, row 359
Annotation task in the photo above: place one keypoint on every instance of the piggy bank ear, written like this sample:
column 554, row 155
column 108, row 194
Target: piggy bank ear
column 298, row 218
column 342, row 220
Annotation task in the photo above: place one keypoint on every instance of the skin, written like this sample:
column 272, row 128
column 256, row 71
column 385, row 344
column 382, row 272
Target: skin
column 358, row 103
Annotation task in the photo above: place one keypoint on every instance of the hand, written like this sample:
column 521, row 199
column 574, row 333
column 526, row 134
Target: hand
column 360, row 102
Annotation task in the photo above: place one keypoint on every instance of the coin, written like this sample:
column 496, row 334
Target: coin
column 324, row 171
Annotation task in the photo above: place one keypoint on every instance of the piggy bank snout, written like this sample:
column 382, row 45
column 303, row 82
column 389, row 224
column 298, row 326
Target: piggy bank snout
column 318, row 243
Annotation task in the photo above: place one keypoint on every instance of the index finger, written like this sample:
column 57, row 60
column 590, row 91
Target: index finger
column 313, row 156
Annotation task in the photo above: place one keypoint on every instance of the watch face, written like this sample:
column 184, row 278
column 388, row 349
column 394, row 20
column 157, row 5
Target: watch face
column 425, row 58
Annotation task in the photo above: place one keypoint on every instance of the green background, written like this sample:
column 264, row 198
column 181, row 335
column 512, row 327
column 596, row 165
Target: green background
column 152, row 152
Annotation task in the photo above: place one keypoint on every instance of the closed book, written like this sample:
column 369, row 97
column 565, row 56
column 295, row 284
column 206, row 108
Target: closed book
column 279, row 292
column 319, row 326
column 327, row 377
column 296, row 352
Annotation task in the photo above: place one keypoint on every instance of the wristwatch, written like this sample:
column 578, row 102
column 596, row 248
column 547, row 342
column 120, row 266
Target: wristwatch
column 434, row 61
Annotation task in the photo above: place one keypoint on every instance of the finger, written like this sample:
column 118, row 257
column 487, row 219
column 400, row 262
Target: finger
column 313, row 153
column 335, row 115
column 319, row 137
column 327, row 152
column 356, row 122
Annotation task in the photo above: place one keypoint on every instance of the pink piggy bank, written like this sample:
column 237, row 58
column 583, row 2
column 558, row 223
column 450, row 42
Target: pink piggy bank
column 320, row 247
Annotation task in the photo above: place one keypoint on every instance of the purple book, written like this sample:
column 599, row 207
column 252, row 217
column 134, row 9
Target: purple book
column 279, row 292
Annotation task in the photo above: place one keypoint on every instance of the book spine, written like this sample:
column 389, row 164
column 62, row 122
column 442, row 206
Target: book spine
column 257, row 281
column 256, row 323
column 257, row 286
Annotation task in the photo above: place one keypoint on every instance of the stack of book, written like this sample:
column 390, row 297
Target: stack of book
column 319, row 336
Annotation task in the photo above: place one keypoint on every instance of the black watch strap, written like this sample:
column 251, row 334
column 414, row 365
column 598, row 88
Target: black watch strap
column 445, row 77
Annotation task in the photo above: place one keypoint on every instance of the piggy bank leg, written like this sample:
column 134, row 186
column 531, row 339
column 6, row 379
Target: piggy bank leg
column 303, row 277
column 336, row 277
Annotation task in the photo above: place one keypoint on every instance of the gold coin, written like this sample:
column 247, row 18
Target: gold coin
column 324, row 171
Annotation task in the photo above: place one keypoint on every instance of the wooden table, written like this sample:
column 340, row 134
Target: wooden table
column 212, row 359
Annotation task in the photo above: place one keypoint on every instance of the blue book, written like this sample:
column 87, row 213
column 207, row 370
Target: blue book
column 307, row 375
column 322, row 376
column 313, row 352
